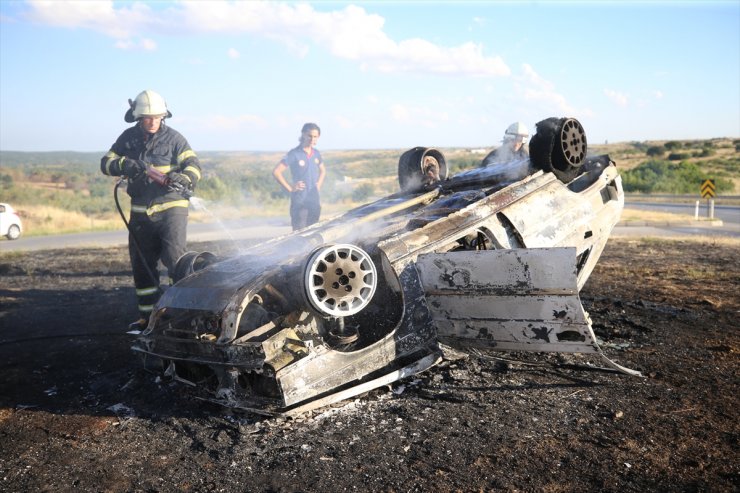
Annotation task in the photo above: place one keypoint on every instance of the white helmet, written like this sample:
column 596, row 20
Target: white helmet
column 515, row 129
column 147, row 103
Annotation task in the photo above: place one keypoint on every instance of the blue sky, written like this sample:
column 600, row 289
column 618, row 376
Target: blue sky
column 246, row 75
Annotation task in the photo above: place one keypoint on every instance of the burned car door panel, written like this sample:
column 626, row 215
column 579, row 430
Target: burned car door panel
column 523, row 299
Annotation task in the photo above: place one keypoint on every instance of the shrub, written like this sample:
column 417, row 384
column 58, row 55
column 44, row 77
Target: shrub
column 655, row 151
column 666, row 177
column 363, row 192
column 671, row 145
column 678, row 156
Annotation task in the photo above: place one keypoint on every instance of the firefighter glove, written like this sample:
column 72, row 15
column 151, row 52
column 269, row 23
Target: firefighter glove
column 180, row 179
column 132, row 168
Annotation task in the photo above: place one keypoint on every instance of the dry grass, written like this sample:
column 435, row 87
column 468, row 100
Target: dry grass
column 46, row 220
column 641, row 215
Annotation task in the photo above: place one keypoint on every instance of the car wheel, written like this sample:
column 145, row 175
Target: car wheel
column 421, row 167
column 340, row 280
column 14, row 232
column 559, row 146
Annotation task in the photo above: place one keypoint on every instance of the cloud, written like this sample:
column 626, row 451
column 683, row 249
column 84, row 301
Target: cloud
column 130, row 44
column 658, row 94
column 233, row 53
column 418, row 116
column 533, row 88
column 350, row 33
column 617, row 98
column 400, row 113
column 100, row 16
column 229, row 123
column 344, row 122
column 148, row 44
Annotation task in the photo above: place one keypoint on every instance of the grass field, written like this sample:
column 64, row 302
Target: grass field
column 44, row 220
column 351, row 169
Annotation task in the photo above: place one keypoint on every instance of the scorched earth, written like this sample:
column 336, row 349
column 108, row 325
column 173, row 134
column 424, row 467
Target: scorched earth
column 78, row 412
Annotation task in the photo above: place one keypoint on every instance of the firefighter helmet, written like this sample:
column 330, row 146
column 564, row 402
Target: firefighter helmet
column 147, row 103
column 517, row 129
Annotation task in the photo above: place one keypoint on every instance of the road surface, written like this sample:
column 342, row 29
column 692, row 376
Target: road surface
column 252, row 229
column 235, row 230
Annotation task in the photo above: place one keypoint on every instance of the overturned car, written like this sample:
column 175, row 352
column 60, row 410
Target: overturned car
column 491, row 257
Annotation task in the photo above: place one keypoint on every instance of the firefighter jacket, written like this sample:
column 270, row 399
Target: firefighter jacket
column 167, row 150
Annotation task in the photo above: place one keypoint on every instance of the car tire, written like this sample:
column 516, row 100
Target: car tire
column 559, row 146
column 413, row 168
column 14, row 232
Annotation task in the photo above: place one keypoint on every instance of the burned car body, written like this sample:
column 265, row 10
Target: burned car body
column 492, row 257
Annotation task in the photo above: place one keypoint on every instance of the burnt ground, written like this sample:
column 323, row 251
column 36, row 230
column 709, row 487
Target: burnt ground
column 77, row 412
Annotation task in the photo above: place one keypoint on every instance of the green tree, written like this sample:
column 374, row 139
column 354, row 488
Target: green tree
column 658, row 176
column 655, row 151
column 6, row 182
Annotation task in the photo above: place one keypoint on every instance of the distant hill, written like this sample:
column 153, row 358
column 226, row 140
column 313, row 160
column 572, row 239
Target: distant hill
column 53, row 159
column 65, row 191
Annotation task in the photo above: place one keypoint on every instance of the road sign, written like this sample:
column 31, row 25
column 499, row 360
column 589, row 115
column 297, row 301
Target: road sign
column 707, row 189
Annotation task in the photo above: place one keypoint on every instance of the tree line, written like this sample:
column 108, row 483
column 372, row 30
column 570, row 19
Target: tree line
column 73, row 181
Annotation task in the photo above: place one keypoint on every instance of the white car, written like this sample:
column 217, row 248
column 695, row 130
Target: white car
column 10, row 223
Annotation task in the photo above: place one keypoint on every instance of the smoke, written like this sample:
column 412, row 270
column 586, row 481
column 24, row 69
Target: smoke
column 239, row 224
column 199, row 205
column 506, row 164
column 514, row 170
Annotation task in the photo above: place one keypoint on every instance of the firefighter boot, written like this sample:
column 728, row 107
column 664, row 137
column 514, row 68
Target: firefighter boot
column 139, row 325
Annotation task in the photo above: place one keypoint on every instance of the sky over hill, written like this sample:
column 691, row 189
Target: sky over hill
column 246, row 75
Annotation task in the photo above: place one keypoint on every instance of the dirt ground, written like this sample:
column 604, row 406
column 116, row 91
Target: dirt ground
column 77, row 412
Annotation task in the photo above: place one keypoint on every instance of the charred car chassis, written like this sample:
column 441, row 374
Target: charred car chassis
column 492, row 257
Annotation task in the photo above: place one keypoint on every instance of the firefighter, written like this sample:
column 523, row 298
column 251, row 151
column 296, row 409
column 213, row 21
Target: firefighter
column 512, row 149
column 307, row 173
column 159, row 212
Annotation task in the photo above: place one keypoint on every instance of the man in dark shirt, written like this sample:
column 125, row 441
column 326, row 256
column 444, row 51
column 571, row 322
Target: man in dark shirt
column 307, row 175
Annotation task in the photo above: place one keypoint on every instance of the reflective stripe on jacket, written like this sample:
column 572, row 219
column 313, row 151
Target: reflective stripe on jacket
column 166, row 151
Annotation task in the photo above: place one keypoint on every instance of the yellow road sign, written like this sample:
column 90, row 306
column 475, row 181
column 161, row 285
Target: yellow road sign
column 707, row 189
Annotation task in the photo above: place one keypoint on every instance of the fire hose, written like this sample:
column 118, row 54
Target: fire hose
column 164, row 181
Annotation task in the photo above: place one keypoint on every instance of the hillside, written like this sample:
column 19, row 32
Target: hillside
column 65, row 191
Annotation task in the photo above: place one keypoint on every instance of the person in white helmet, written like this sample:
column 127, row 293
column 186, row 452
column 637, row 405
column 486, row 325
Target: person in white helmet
column 159, row 213
column 513, row 147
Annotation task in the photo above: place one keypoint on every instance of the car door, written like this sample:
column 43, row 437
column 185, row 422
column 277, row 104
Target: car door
column 521, row 299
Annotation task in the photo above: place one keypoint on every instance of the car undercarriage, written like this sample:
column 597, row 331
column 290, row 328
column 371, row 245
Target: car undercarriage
column 492, row 257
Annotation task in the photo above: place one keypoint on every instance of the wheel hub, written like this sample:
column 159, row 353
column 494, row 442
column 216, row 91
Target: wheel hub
column 340, row 280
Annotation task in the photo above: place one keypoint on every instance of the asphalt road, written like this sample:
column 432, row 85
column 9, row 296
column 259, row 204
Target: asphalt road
column 249, row 229
column 728, row 224
column 726, row 213
column 234, row 230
